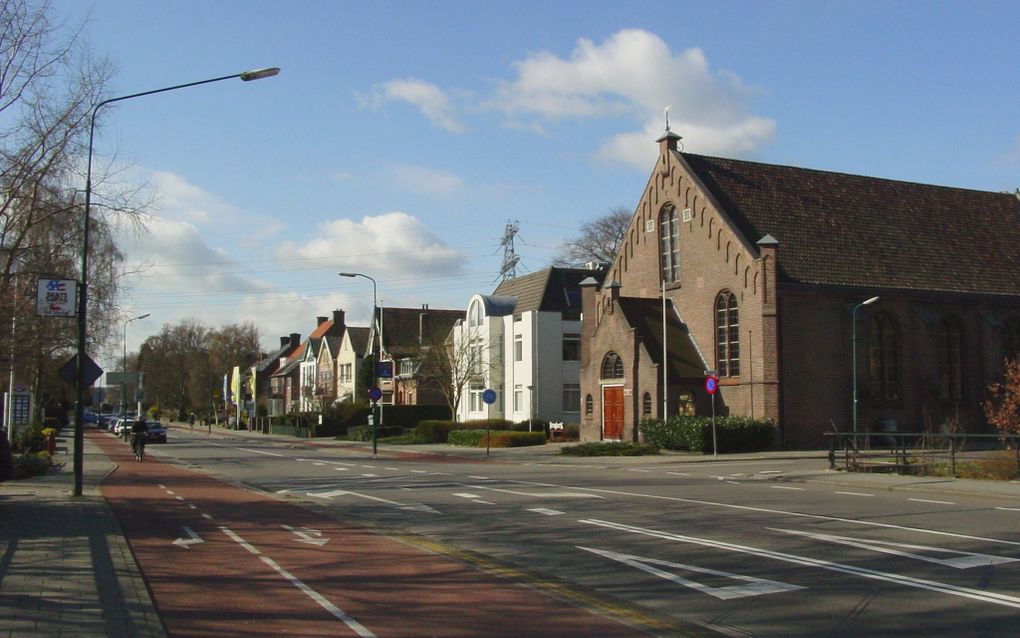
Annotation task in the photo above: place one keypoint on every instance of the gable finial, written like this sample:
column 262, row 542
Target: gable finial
column 667, row 116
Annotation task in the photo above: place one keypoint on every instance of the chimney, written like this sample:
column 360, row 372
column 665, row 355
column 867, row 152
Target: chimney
column 321, row 320
column 338, row 320
column 295, row 339
column 284, row 341
column 423, row 323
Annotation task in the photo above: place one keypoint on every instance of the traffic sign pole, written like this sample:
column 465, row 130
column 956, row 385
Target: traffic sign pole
column 489, row 397
column 712, row 386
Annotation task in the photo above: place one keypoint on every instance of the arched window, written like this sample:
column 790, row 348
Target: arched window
column 727, row 335
column 1011, row 339
column 950, row 350
column 669, row 244
column 475, row 314
column 646, row 404
column 612, row 366
column 884, row 359
column 589, row 404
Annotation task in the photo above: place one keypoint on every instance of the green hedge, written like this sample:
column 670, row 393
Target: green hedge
column 364, row 432
column 694, row 433
column 498, row 438
column 433, row 431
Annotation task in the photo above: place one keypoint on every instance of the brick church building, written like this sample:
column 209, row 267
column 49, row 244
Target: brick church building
column 760, row 273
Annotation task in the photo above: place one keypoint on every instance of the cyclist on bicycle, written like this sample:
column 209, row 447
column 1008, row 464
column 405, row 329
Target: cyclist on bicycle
column 138, row 432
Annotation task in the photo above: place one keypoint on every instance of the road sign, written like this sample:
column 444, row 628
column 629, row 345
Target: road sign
column 489, row 396
column 56, row 297
column 384, row 369
column 91, row 371
column 711, row 384
column 374, row 393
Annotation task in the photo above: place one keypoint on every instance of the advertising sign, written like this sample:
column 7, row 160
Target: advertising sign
column 56, row 298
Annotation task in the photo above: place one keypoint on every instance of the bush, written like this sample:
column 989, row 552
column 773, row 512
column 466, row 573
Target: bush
column 534, row 425
column 435, row 431
column 364, row 432
column 28, row 465
column 610, row 449
column 497, row 438
column 694, row 433
column 492, row 424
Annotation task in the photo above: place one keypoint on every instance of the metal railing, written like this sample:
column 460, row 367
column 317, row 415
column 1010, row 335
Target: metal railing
column 915, row 452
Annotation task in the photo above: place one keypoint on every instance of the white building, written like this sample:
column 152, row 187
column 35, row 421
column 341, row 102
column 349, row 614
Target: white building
column 524, row 342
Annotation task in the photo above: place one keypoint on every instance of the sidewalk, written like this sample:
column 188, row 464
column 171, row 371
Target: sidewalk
column 65, row 567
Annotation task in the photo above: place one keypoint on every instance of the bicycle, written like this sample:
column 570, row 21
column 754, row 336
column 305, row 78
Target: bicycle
column 138, row 446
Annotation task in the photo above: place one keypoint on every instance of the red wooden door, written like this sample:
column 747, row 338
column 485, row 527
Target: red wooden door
column 612, row 412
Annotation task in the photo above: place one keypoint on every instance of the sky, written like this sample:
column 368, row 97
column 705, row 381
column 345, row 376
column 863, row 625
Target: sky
column 401, row 138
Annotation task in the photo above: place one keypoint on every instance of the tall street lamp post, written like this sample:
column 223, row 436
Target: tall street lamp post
column 853, row 363
column 376, row 352
column 123, row 384
column 79, row 410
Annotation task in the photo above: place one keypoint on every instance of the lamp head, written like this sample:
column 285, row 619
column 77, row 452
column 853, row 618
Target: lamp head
column 869, row 301
column 347, row 274
column 258, row 74
column 144, row 316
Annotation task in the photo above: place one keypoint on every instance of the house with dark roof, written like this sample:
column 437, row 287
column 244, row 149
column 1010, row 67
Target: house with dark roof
column 266, row 394
column 823, row 301
column 524, row 342
column 408, row 337
column 350, row 357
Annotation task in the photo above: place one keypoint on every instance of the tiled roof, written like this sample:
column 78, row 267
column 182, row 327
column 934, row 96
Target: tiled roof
column 548, row 290
column 850, row 230
column 359, row 338
column 271, row 358
column 401, row 327
column 295, row 358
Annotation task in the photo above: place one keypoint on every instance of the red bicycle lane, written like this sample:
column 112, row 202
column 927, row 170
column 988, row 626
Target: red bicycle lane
column 224, row 561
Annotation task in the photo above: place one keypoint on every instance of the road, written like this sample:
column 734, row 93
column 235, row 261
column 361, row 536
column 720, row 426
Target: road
column 303, row 539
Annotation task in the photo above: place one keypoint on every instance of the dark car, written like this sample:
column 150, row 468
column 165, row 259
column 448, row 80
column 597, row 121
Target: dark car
column 156, row 433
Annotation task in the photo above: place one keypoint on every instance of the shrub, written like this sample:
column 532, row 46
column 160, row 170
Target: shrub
column 694, row 433
column 434, row 431
column 492, row 424
column 610, row 449
column 364, row 432
column 497, row 438
column 534, row 425
column 28, row 465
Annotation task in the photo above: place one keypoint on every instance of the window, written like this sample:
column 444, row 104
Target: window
column 475, row 398
column 883, row 359
column 518, row 398
column 518, row 347
column 475, row 315
column 571, row 346
column 1011, row 339
column 950, row 350
column 669, row 243
column 727, row 335
column 589, row 404
column 571, row 397
column 612, row 366
column 646, row 404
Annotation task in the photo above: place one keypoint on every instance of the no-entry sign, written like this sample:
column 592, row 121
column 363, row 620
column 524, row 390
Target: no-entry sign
column 711, row 384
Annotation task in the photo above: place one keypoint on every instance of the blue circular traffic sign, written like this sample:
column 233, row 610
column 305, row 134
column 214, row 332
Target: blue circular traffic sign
column 489, row 396
column 711, row 384
column 374, row 393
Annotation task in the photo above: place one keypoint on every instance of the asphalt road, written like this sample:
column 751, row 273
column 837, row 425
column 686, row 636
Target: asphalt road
column 519, row 544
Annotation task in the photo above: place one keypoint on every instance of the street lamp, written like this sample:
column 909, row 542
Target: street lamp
column 376, row 351
column 123, row 383
column 853, row 362
column 79, row 410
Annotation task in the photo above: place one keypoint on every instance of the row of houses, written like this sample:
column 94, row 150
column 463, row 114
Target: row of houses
column 823, row 301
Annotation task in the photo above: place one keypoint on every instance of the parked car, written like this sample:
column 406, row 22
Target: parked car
column 156, row 433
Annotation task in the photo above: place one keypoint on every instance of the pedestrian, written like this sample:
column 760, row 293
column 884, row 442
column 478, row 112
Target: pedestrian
column 6, row 458
column 191, row 421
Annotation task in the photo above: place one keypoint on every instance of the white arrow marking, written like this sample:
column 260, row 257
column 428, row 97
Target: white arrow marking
column 185, row 542
column 752, row 587
column 964, row 560
column 420, row 507
column 307, row 535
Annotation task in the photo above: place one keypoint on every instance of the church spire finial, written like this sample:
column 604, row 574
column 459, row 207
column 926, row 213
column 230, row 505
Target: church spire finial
column 667, row 117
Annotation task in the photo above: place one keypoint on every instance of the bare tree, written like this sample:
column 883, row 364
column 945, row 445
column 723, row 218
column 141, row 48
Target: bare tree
column 450, row 365
column 599, row 241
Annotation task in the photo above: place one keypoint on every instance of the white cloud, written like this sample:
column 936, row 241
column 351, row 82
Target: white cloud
column 392, row 243
column 634, row 74
column 428, row 98
column 419, row 179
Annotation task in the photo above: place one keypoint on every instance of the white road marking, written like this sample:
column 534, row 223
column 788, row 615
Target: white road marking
column 964, row 592
column 768, row 510
column 194, row 507
column 536, row 494
column 751, row 586
column 964, row 560
column 253, row 451
column 467, row 495
column 480, row 478
column 678, row 473
column 192, row 539
column 419, row 471
column 786, row 487
column 338, row 613
column 341, row 469
column 393, row 469
column 307, row 535
column 927, row 500
column 637, row 469
column 1009, row 509
column 207, row 517
column 331, row 494
column 179, row 498
column 853, row 493
column 370, row 475
column 544, row 510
